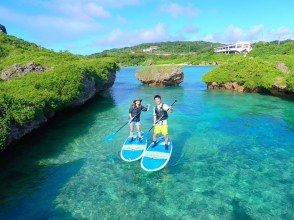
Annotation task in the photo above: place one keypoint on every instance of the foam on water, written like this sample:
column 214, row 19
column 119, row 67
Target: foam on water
column 232, row 159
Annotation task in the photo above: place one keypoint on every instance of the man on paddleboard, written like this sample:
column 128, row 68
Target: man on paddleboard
column 160, row 113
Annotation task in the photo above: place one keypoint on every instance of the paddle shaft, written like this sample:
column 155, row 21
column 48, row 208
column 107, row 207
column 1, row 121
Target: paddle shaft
column 161, row 116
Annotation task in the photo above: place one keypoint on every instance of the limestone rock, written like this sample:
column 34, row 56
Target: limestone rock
column 228, row 86
column 161, row 76
column 3, row 29
column 19, row 70
column 282, row 67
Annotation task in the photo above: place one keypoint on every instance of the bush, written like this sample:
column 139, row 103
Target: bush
column 34, row 96
column 249, row 72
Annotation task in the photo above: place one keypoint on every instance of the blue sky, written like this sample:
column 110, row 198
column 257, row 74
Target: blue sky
column 88, row 26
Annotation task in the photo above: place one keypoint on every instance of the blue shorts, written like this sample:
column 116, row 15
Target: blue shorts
column 133, row 123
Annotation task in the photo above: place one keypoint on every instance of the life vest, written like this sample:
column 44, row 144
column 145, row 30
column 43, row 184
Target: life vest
column 161, row 113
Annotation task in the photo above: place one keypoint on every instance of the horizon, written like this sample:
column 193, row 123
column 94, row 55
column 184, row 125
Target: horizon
column 86, row 27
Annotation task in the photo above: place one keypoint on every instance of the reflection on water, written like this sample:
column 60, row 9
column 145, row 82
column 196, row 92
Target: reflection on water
column 233, row 159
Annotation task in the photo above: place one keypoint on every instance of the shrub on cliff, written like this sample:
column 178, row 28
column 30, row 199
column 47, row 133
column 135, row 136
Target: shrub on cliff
column 248, row 72
column 34, row 96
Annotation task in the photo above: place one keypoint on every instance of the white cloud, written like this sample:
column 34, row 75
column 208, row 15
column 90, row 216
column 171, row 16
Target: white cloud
column 177, row 10
column 119, row 38
column 122, row 20
column 86, row 10
column 282, row 33
column 103, row 3
column 121, row 3
column 232, row 34
column 190, row 29
column 49, row 28
column 256, row 33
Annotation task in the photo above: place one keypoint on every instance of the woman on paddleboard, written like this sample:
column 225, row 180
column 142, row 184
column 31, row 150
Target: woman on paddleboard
column 135, row 113
column 160, row 113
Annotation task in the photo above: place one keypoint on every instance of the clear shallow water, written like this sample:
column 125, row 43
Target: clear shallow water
column 233, row 159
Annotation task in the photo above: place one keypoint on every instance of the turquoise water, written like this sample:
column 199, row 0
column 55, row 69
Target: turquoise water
column 233, row 159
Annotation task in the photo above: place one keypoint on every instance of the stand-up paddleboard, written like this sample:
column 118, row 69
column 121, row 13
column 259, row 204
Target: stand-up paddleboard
column 134, row 150
column 155, row 158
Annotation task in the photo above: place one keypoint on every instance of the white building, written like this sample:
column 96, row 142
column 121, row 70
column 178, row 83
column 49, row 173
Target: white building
column 240, row 47
column 150, row 49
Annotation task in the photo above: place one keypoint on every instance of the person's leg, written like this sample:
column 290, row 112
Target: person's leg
column 166, row 139
column 154, row 137
column 156, row 131
column 139, row 130
column 165, row 134
column 131, row 131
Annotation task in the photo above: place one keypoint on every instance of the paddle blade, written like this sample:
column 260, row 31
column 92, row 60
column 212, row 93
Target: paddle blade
column 110, row 137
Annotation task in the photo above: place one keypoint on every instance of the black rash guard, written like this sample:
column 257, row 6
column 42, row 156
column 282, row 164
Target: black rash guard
column 137, row 111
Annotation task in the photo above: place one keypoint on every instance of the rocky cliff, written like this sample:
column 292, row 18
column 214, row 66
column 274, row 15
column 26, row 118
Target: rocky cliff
column 19, row 70
column 276, row 89
column 90, row 89
column 3, row 29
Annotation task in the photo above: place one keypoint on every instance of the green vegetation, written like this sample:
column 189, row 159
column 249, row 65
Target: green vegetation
column 179, row 52
column 174, row 47
column 260, row 68
column 253, row 73
column 34, row 96
column 137, row 59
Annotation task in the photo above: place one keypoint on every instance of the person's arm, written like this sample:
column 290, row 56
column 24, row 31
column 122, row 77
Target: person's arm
column 143, row 108
column 146, row 108
column 167, row 108
column 130, row 115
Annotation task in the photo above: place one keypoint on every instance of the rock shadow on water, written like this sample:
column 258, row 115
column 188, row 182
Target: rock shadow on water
column 35, row 195
column 239, row 212
column 22, row 175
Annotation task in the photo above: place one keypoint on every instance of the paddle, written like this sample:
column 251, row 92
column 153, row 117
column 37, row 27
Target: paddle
column 111, row 136
column 161, row 117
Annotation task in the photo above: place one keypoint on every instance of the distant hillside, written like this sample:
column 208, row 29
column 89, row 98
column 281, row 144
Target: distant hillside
column 188, row 52
column 273, row 48
column 177, row 52
column 170, row 47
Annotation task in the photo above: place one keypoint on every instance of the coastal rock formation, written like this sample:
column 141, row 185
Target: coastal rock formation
column 277, row 89
column 3, row 29
column 160, row 75
column 213, row 63
column 19, row 70
column 90, row 89
column 229, row 86
column 281, row 90
column 282, row 67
